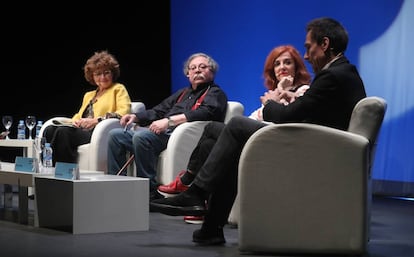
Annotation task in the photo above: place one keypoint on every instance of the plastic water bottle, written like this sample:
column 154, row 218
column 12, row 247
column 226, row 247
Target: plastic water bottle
column 21, row 130
column 38, row 127
column 47, row 158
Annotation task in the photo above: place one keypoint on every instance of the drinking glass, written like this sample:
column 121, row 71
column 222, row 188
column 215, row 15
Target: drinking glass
column 30, row 123
column 7, row 123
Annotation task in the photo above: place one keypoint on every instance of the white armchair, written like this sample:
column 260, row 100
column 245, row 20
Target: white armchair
column 182, row 143
column 305, row 188
column 93, row 156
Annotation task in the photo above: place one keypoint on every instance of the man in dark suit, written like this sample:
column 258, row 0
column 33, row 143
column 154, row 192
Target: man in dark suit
column 329, row 101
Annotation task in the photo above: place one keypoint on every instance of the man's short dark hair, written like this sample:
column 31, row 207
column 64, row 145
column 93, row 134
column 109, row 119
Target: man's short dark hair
column 330, row 28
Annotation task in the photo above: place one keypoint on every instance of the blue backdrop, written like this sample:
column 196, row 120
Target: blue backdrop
column 239, row 35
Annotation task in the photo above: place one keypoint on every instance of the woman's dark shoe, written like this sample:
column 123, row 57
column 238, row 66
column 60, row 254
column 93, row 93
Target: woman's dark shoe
column 209, row 236
column 184, row 204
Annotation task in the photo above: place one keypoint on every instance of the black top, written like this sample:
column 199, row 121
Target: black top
column 213, row 106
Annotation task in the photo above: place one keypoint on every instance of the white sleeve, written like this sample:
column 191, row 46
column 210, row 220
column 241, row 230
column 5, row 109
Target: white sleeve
column 257, row 114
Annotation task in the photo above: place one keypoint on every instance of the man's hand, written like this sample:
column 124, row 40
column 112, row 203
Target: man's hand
column 287, row 97
column 279, row 95
column 127, row 119
column 271, row 95
column 159, row 126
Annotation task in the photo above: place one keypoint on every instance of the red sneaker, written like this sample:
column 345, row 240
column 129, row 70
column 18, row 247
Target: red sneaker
column 174, row 187
column 194, row 219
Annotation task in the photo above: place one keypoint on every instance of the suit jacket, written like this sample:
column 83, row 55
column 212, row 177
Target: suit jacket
column 329, row 101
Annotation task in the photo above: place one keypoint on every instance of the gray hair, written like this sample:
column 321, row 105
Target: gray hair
column 213, row 65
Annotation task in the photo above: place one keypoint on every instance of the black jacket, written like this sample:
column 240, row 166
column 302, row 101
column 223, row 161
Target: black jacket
column 329, row 101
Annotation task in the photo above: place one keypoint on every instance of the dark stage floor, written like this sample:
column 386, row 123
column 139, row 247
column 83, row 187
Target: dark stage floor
column 392, row 235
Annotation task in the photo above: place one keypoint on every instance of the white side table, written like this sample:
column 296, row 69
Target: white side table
column 26, row 144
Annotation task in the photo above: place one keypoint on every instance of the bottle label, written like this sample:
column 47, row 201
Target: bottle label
column 21, row 131
column 38, row 128
column 47, row 157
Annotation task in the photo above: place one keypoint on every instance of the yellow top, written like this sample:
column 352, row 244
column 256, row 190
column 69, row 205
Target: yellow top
column 114, row 99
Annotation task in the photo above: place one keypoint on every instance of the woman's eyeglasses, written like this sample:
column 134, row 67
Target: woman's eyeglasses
column 105, row 73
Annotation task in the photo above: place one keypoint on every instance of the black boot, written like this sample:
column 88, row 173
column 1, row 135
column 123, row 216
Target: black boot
column 209, row 235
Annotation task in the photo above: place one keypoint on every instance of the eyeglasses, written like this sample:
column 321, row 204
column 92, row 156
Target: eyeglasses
column 100, row 73
column 200, row 67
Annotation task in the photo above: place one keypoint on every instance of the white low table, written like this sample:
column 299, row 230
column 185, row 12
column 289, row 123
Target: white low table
column 93, row 204
column 28, row 150
column 25, row 180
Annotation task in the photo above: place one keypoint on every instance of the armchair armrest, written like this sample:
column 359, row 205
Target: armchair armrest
column 50, row 122
column 93, row 156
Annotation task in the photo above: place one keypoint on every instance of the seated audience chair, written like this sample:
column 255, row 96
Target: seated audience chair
column 305, row 188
